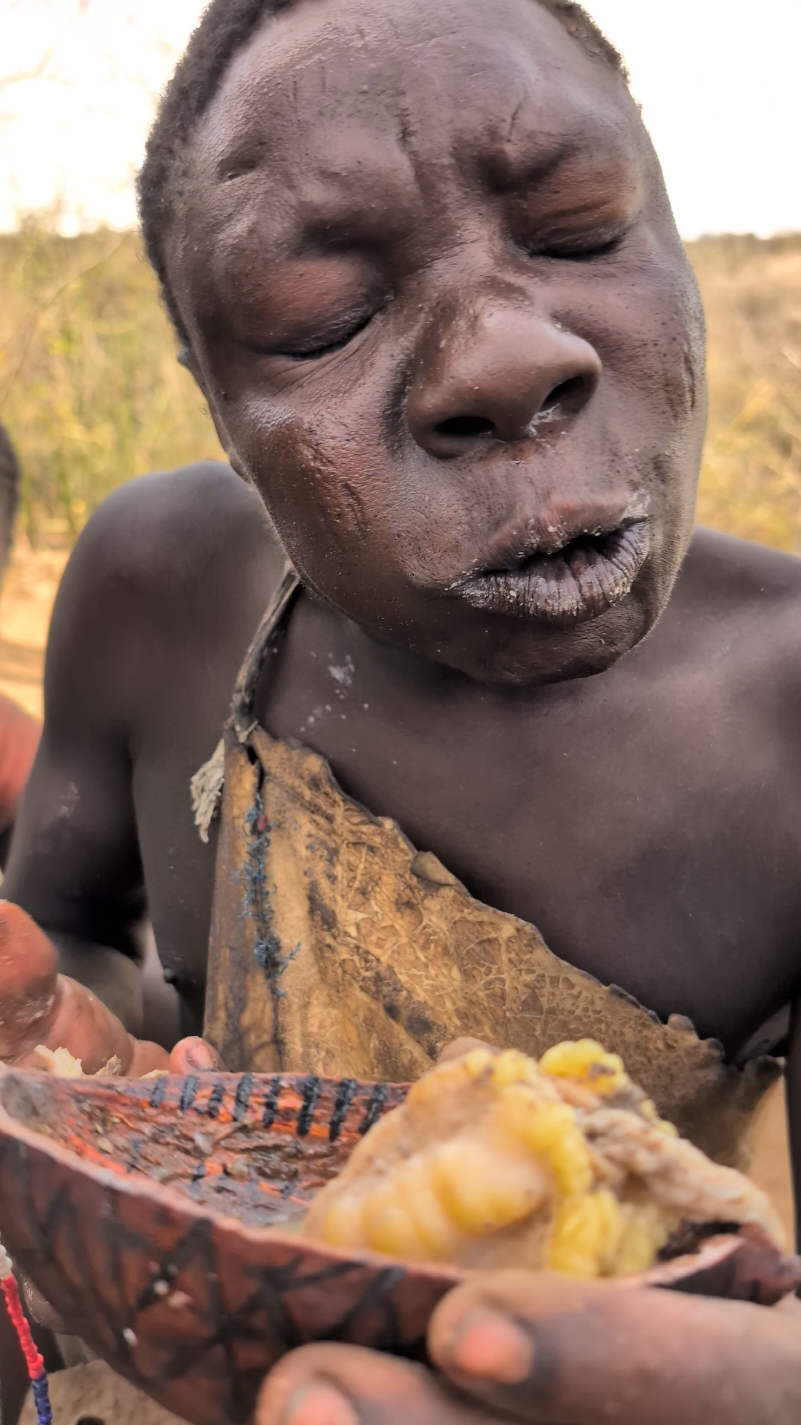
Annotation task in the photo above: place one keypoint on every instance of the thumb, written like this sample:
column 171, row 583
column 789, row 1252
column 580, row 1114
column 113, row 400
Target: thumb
column 551, row 1350
column 194, row 1056
column 463, row 1045
column 28, row 979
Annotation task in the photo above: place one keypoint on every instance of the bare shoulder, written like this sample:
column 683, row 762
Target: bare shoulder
column 171, row 568
column 741, row 602
column 176, row 527
column 722, row 574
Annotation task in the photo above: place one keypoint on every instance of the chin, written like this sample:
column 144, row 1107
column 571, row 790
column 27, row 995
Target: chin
column 529, row 655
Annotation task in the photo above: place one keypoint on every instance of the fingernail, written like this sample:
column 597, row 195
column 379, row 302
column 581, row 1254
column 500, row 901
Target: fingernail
column 201, row 1062
column 489, row 1346
column 318, row 1403
column 201, row 1057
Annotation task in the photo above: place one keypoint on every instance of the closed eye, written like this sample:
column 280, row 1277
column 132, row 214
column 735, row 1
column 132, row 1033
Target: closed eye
column 312, row 351
column 580, row 250
column 585, row 254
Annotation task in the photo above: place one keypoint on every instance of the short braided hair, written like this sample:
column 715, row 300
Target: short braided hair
column 225, row 28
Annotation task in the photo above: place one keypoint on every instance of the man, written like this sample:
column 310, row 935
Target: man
column 458, row 350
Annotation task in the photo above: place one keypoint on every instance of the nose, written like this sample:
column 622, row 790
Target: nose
column 496, row 377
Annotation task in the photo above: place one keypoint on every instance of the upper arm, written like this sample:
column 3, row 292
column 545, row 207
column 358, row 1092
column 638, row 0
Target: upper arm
column 75, row 863
column 163, row 591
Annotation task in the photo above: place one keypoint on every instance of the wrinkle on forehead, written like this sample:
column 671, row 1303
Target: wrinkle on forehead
column 416, row 71
column 330, row 168
column 350, row 189
column 341, row 122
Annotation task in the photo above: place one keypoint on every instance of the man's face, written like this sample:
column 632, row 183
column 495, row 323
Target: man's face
column 437, row 300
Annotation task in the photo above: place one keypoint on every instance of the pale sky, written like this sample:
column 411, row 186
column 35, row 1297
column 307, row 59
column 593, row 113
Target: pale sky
column 718, row 81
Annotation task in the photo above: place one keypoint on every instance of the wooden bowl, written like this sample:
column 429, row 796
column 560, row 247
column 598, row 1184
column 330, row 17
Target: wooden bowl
column 148, row 1213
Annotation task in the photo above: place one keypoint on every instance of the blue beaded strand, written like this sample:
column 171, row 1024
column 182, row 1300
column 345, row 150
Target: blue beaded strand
column 41, row 1396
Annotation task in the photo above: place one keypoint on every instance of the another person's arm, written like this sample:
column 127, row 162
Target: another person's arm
column 75, row 865
column 74, row 862
column 19, row 739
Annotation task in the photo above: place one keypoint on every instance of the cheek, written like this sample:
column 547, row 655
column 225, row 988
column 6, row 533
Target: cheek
column 313, row 478
column 682, row 328
column 357, row 519
column 648, row 328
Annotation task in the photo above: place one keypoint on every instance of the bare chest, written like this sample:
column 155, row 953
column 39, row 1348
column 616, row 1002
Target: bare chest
column 645, row 826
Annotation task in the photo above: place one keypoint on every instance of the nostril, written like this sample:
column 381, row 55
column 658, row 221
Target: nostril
column 568, row 396
column 465, row 426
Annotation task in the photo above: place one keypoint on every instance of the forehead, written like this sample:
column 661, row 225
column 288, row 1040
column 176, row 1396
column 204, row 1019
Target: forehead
column 484, row 86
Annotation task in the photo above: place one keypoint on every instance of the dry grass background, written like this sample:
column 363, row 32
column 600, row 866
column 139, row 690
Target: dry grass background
column 89, row 385
column 751, row 478
column 92, row 394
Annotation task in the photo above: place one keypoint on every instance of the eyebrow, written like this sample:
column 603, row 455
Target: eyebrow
column 365, row 196
column 503, row 169
column 329, row 223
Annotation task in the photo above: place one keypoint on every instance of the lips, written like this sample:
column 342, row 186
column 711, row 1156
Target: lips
column 584, row 578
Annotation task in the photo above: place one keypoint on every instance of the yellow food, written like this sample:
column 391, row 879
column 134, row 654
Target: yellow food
column 494, row 1160
column 59, row 1062
column 63, row 1065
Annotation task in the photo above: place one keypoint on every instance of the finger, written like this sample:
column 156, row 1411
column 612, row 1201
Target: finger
column 28, row 965
column 146, row 1059
column 80, row 1022
column 461, row 1046
column 193, row 1056
column 40, row 1006
column 347, row 1385
column 550, row 1349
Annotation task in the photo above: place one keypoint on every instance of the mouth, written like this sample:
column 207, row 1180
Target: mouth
column 583, row 578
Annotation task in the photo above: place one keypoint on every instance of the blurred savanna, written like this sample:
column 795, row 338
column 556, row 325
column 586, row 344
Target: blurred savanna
column 751, row 477
column 89, row 385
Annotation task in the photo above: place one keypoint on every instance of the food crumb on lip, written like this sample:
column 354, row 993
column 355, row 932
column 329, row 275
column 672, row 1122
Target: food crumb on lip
column 584, row 578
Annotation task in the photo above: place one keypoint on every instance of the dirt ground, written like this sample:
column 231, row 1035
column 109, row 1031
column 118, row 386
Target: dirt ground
column 25, row 606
